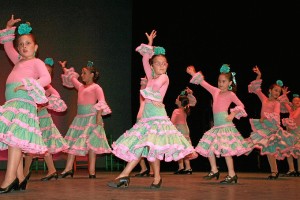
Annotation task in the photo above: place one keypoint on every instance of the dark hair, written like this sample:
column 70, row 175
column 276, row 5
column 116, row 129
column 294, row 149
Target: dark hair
column 154, row 56
column 229, row 76
column 94, row 71
column 184, row 100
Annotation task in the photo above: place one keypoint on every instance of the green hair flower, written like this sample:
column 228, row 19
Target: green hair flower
column 279, row 82
column 295, row 95
column 183, row 93
column 24, row 29
column 225, row 68
column 159, row 50
column 90, row 64
column 49, row 61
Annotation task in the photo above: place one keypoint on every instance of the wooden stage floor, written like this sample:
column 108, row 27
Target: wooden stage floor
column 183, row 187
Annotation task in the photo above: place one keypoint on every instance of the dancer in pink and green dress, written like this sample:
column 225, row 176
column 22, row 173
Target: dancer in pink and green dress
column 292, row 124
column 179, row 116
column 19, row 125
column 267, row 135
column 86, row 134
column 223, row 139
column 51, row 135
column 154, row 136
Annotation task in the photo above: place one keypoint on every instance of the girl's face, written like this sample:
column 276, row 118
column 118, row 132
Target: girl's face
column 177, row 102
column 223, row 82
column 87, row 76
column 296, row 102
column 159, row 65
column 275, row 92
column 27, row 47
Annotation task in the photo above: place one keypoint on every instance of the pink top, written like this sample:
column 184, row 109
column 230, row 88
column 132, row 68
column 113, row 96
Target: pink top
column 294, row 113
column 268, row 106
column 88, row 94
column 179, row 116
column 221, row 101
column 157, row 85
column 33, row 68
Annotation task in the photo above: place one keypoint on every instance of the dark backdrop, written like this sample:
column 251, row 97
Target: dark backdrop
column 208, row 34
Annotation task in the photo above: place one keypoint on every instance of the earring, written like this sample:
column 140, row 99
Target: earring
column 153, row 74
column 19, row 57
column 229, row 87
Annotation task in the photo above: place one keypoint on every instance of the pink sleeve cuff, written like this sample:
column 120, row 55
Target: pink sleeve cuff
column 7, row 35
column 67, row 77
column 197, row 78
column 283, row 99
column 289, row 123
column 254, row 86
column 102, row 105
column 145, row 49
column 56, row 104
column 240, row 112
column 35, row 90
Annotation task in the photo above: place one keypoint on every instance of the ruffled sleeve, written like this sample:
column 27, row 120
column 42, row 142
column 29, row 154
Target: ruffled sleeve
column 7, row 35
column 145, row 49
column 67, row 77
column 102, row 105
column 149, row 93
column 240, row 112
column 197, row 78
column 192, row 99
column 56, row 104
column 255, row 86
column 35, row 90
column 289, row 123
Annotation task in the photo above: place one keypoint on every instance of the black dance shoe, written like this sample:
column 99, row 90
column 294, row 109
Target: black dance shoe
column 120, row 182
column 144, row 173
column 188, row 171
column 92, row 176
column 11, row 187
column 273, row 176
column 156, row 186
column 228, row 179
column 64, row 175
column 51, row 176
column 22, row 185
column 212, row 175
column 179, row 171
column 289, row 174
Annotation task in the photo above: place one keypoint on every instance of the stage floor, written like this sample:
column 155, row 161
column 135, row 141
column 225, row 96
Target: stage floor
column 189, row 187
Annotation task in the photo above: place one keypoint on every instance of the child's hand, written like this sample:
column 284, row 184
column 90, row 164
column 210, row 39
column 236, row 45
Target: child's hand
column 10, row 23
column 191, row 70
column 151, row 37
column 256, row 70
column 261, row 120
column 188, row 90
column 285, row 90
column 20, row 87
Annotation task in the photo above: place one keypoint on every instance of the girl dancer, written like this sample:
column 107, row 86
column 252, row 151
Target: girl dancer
column 153, row 136
column 19, row 125
column 86, row 134
column 51, row 135
column 223, row 139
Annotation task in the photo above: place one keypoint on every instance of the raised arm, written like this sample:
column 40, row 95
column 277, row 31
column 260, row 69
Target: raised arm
column 70, row 77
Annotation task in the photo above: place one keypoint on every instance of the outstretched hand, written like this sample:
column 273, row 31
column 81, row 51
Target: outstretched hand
column 11, row 22
column 190, row 70
column 20, row 87
column 188, row 90
column 285, row 90
column 151, row 37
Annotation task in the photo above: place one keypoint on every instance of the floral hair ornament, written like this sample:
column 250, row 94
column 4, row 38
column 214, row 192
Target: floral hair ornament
column 24, row 28
column 225, row 68
column 159, row 50
column 183, row 93
column 90, row 64
column 49, row 61
column 296, row 95
column 279, row 82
